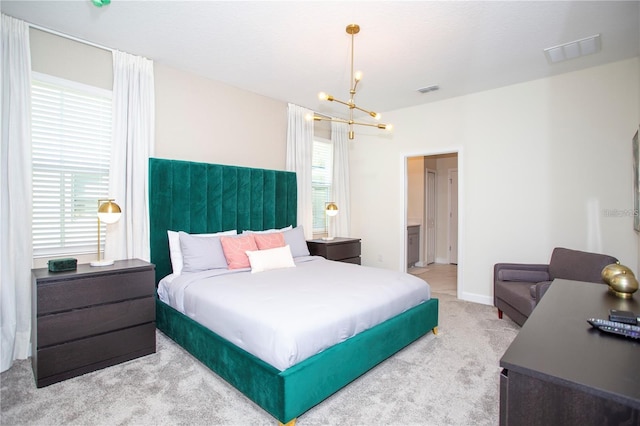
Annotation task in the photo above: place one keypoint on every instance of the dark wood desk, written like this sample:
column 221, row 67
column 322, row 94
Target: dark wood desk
column 561, row 371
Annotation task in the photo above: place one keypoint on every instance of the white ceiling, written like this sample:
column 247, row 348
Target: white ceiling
column 291, row 50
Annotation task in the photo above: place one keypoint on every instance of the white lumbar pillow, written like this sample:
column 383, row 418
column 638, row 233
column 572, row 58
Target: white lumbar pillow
column 266, row 260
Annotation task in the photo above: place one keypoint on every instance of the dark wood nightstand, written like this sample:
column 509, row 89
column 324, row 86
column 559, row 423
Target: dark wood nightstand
column 91, row 318
column 340, row 249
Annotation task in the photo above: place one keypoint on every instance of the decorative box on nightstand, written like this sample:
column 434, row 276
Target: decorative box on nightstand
column 340, row 249
column 91, row 318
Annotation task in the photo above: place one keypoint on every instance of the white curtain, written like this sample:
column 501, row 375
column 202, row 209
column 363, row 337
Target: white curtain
column 16, row 254
column 341, row 195
column 300, row 160
column 133, row 144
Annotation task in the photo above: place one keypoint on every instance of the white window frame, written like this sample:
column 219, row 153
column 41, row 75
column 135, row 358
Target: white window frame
column 66, row 190
column 326, row 185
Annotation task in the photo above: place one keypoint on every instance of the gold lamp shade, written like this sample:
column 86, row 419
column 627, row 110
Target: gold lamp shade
column 331, row 209
column 622, row 282
column 109, row 212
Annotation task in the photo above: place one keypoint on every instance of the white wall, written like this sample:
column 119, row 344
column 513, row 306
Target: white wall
column 198, row 119
column 539, row 163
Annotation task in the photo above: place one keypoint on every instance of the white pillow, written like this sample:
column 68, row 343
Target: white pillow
column 175, row 252
column 267, row 231
column 266, row 260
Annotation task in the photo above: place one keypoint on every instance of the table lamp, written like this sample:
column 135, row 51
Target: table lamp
column 108, row 212
column 330, row 209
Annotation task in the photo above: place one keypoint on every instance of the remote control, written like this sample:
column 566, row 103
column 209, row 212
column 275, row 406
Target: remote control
column 621, row 329
column 626, row 317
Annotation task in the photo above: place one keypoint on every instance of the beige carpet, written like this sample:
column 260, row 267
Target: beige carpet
column 448, row 379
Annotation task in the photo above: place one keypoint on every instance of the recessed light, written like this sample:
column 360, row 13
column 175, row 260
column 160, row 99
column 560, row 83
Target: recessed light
column 428, row 89
column 573, row 49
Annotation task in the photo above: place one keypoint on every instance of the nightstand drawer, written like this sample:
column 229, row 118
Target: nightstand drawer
column 343, row 251
column 79, row 323
column 95, row 351
column 68, row 294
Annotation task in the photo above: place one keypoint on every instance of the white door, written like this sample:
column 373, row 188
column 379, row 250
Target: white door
column 430, row 217
column 453, row 216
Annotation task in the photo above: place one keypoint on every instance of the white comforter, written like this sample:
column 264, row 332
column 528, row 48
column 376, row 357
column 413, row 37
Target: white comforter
column 284, row 316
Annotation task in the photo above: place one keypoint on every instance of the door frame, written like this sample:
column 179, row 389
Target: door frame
column 402, row 220
column 425, row 230
column 450, row 200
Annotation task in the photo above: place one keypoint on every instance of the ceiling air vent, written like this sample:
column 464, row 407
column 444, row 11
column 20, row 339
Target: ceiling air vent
column 573, row 49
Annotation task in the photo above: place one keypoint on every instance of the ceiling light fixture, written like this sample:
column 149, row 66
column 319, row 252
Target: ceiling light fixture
column 352, row 29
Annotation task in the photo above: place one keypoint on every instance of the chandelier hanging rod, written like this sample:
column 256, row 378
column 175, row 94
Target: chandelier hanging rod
column 352, row 30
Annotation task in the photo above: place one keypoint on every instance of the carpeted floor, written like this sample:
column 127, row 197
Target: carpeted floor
column 448, row 379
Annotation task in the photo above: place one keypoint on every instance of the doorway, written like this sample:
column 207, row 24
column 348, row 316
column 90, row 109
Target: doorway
column 432, row 204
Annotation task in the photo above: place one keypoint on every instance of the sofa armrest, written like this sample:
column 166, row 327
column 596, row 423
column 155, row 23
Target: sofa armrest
column 528, row 272
column 541, row 289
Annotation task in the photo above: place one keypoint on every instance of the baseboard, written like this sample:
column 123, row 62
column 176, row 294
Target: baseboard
column 421, row 264
column 477, row 298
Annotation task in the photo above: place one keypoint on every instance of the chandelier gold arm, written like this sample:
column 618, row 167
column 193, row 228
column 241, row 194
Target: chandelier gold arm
column 350, row 105
column 341, row 120
column 371, row 113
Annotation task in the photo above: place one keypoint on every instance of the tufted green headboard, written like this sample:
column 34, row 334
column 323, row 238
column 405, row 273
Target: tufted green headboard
column 202, row 198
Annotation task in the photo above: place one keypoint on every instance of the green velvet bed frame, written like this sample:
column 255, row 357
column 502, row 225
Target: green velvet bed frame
column 197, row 198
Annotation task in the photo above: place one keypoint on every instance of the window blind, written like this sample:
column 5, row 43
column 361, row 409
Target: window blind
column 321, row 181
column 71, row 142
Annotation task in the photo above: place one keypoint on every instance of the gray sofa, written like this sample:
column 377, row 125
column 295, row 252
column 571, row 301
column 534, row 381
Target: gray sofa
column 517, row 287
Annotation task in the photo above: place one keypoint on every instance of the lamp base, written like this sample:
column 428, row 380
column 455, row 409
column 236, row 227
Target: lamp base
column 328, row 238
column 106, row 262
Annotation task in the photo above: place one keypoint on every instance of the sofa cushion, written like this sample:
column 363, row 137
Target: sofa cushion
column 522, row 275
column 516, row 294
column 578, row 265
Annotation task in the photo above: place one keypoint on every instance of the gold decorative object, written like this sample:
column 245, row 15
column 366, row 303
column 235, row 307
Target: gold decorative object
column 352, row 30
column 610, row 271
column 622, row 282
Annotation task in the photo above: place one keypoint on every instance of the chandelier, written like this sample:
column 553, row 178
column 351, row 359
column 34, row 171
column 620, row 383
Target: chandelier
column 352, row 29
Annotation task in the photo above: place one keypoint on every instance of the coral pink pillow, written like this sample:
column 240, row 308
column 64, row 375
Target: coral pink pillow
column 269, row 241
column 235, row 248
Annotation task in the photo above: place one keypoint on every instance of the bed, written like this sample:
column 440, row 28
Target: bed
column 207, row 198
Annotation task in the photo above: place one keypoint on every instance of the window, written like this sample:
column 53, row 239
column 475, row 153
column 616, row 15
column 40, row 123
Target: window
column 321, row 182
column 71, row 137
